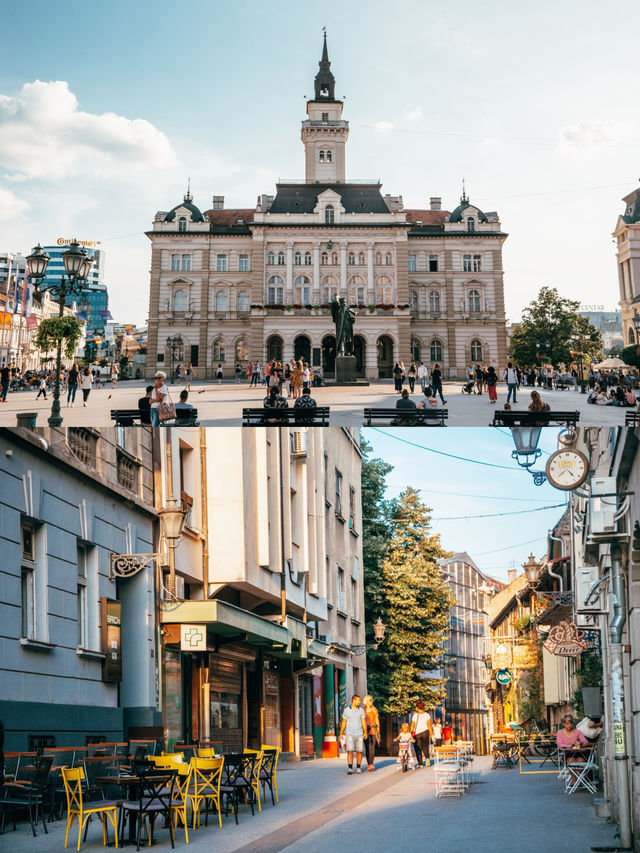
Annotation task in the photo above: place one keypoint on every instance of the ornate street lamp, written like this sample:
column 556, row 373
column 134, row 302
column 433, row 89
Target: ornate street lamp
column 527, row 451
column 532, row 570
column 378, row 634
column 172, row 517
column 77, row 266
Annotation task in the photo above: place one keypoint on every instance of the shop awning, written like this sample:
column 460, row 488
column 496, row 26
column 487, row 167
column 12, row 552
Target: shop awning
column 226, row 620
column 297, row 637
column 317, row 649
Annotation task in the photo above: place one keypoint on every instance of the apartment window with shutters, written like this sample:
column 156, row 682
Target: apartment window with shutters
column 355, row 610
column 221, row 263
column 341, row 602
column 28, row 572
column 81, row 640
column 352, row 509
column 337, row 506
column 243, row 263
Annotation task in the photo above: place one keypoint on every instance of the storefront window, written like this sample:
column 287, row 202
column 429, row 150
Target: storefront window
column 225, row 710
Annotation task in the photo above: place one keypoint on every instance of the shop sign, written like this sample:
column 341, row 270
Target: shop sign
column 193, row 638
column 565, row 639
column 525, row 656
column 111, row 635
column 503, row 676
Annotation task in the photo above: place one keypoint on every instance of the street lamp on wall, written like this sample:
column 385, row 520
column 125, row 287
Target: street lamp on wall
column 527, row 451
column 532, row 570
column 172, row 517
column 379, row 629
column 77, row 266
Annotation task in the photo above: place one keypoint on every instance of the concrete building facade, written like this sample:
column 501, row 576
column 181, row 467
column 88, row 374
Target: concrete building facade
column 234, row 285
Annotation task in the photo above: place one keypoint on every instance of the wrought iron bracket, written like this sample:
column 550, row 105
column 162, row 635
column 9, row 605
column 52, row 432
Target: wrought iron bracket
column 128, row 565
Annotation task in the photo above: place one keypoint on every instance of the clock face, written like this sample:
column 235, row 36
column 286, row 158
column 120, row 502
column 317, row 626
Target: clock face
column 567, row 469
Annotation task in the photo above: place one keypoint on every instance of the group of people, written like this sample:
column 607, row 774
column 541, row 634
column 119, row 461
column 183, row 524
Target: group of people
column 72, row 380
column 157, row 397
column 360, row 734
column 431, row 383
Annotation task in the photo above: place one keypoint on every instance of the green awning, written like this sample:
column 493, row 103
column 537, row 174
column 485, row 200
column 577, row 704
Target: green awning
column 226, row 620
column 318, row 649
column 297, row 637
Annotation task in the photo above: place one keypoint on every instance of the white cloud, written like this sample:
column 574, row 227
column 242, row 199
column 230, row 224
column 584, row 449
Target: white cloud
column 589, row 137
column 44, row 134
column 11, row 206
column 383, row 126
column 414, row 115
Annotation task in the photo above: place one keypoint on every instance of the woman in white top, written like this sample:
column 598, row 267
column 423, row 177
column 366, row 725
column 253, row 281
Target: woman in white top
column 114, row 375
column 219, row 374
column 85, row 384
column 159, row 395
column 421, row 729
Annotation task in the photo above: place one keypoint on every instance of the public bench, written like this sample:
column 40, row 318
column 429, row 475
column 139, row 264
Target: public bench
column 632, row 419
column 128, row 417
column 407, row 417
column 318, row 416
column 527, row 418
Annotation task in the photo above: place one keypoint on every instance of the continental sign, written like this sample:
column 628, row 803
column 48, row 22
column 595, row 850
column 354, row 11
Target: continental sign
column 92, row 244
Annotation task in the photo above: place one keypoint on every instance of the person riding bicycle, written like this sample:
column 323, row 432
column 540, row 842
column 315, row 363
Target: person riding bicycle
column 406, row 750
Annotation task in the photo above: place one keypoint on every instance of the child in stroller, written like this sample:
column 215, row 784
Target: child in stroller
column 468, row 387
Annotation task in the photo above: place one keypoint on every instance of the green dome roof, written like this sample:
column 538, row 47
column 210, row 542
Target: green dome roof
column 196, row 216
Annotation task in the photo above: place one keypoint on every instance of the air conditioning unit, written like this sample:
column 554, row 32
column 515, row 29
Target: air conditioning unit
column 586, row 577
column 299, row 443
column 603, row 505
column 324, row 638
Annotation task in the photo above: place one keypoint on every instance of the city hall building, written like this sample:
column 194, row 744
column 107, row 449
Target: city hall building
column 233, row 285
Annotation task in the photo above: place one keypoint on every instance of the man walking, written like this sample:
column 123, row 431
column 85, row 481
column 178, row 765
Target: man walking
column 422, row 376
column 5, row 381
column 510, row 376
column 436, row 382
column 354, row 728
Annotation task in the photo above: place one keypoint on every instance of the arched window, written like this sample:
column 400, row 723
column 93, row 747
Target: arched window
column 271, row 258
column 474, row 301
column 334, row 259
column 221, row 301
column 182, row 224
column 476, row 350
column 466, row 263
column 411, row 263
column 361, row 259
column 383, row 290
column 328, row 156
column 217, row 350
column 356, row 290
column 243, row 300
column 307, row 259
column 388, row 259
column 413, row 300
column 329, row 214
column 416, row 350
column 280, row 258
column 435, row 350
column 351, row 259
column 329, row 288
column 471, row 223
column 297, row 259
column 378, row 258
column 275, row 290
column 321, row 156
column 242, row 350
column 179, row 300
column 274, row 348
column 303, row 290
column 324, row 258
column 434, row 300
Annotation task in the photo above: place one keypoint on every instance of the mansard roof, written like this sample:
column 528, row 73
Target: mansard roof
column 303, row 198
column 226, row 221
column 432, row 220
column 456, row 216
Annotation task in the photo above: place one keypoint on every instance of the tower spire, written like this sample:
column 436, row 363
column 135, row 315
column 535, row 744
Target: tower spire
column 325, row 82
column 463, row 198
column 187, row 196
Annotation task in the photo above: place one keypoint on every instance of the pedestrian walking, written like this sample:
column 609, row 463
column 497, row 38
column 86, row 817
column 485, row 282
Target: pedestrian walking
column 72, row 385
column 437, row 732
column 219, row 374
column 397, row 377
column 405, row 742
column 373, row 730
column 422, row 730
column 447, row 733
column 479, row 377
column 255, row 376
column 5, row 381
column 436, row 382
column 422, row 375
column 159, row 395
column 411, row 376
column 238, row 372
column 189, row 374
column 287, row 378
column 42, row 387
column 114, row 374
column 510, row 376
column 85, row 384
column 354, row 729
column 492, row 382
column 178, row 374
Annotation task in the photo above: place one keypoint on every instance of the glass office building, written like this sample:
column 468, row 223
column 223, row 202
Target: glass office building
column 94, row 299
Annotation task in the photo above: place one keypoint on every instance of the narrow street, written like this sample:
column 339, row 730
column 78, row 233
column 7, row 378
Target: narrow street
column 322, row 810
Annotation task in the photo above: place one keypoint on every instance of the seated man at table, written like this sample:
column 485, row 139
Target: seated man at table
column 406, row 404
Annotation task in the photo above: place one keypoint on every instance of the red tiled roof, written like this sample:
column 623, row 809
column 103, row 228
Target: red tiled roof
column 229, row 216
column 427, row 217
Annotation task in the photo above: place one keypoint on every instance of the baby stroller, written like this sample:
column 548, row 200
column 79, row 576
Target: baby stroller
column 469, row 387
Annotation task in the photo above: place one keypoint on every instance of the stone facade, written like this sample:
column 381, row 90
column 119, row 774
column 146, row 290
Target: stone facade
column 255, row 283
column 627, row 238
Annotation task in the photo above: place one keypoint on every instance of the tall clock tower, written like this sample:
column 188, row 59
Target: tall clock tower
column 324, row 133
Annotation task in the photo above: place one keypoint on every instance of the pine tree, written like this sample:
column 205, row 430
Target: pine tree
column 416, row 610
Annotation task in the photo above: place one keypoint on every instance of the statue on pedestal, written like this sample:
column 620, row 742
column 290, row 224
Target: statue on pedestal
column 344, row 317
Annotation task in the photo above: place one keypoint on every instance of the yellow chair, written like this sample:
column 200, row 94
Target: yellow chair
column 206, row 752
column 179, row 803
column 206, row 776
column 73, row 779
column 269, row 769
column 255, row 776
column 168, row 760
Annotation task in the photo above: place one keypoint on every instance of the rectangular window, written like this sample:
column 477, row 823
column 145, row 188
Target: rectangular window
column 186, row 262
column 82, row 640
column 354, row 600
column 243, row 263
column 433, row 263
column 341, row 603
column 221, row 263
column 352, row 507
column 411, row 263
column 325, row 472
column 28, row 582
column 466, row 263
column 477, row 263
column 276, row 295
column 175, row 262
column 337, row 507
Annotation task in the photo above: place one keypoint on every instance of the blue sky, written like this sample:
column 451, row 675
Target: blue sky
column 459, row 491
column 532, row 104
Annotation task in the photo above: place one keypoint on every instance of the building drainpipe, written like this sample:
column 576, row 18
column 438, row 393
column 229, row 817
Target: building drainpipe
column 616, row 627
column 283, row 572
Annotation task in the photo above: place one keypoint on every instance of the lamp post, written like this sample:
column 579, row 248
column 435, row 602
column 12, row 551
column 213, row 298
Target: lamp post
column 174, row 344
column 378, row 635
column 527, row 451
column 532, row 570
column 578, row 340
column 77, row 266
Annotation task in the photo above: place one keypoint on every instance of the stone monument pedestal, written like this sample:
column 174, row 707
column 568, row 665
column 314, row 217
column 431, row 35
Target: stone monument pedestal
column 346, row 370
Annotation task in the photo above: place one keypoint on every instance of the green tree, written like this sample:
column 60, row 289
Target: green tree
column 630, row 355
column 549, row 321
column 67, row 329
column 376, row 531
column 416, row 603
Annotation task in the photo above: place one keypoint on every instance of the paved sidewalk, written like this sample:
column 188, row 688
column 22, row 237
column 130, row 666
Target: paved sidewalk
column 221, row 405
column 323, row 810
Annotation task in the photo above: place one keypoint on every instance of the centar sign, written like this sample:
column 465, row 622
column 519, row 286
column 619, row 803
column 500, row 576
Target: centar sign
column 65, row 241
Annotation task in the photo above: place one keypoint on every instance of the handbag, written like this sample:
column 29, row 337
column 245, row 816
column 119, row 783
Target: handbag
column 166, row 409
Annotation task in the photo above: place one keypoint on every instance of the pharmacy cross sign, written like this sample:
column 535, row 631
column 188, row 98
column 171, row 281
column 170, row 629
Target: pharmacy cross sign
column 193, row 638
